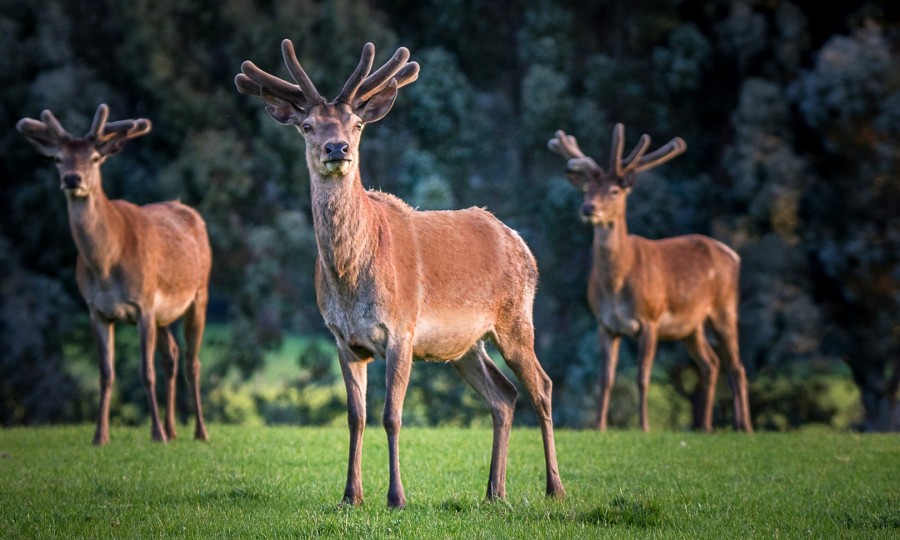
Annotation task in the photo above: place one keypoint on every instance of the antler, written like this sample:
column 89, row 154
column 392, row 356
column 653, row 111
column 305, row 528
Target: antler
column 47, row 131
column 361, row 86
column 567, row 146
column 102, row 132
column 256, row 82
column 636, row 161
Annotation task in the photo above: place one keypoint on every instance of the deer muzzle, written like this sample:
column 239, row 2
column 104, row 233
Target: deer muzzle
column 71, row 180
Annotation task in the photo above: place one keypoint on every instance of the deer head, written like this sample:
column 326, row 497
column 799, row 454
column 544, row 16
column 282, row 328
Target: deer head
column 78, row 160
column 605, row 191
column 331, row 129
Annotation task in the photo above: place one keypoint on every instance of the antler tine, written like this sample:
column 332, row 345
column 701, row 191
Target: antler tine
column 376, row 82
column 304, row 83
column 97, row 126
column 565, row 145
column 348, row 92
column 54, row 126
column 129, row 128
column 618, row 146
column 255, row 81
column 102, row 131
column 635, row 156
column 672, row 149
column 407, row 74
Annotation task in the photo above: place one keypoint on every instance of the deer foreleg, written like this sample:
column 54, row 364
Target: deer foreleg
column 609, row 358
column 105, row 337
column 147, row 332
column 355, row 380
column 399, row 364
column 477, row 368
column 646, row 352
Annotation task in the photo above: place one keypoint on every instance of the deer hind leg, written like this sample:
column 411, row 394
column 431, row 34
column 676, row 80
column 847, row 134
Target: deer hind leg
column 399, row 363
column 147, row 332
column 477, row 368
column 105, row 337
column 728, row 350
column 169, row 352
column 516, row 345
column 609, row 359
column 646, row 353
column 194, row 325
column 708, row 363
column 355, row 380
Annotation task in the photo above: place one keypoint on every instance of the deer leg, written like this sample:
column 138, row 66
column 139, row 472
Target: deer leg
column 105, row 337
column 147, row 332
column 728, row 352
column 399, row 364
column 170, row 352
column 516, row 345
column 355, row 379
column 194, row 325
column 708, row 363
column 477, row 368
column 609, row 359
column 646, row 353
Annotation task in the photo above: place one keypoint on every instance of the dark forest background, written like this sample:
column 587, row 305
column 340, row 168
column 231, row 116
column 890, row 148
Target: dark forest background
column 791, row 113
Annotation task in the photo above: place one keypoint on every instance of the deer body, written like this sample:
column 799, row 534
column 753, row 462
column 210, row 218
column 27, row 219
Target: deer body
column 143, row 265
column 402, row 284
column 673, row 289
column 694, row 264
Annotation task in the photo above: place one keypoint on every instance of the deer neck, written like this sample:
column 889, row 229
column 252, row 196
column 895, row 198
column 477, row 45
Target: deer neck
column 613, row 253
column 344, row 224
column 96, row 228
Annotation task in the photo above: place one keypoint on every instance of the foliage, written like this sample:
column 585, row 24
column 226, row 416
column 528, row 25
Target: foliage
column 790, row 112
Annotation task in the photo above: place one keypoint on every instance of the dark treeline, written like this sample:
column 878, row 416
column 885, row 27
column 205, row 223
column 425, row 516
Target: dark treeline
column 791, row 113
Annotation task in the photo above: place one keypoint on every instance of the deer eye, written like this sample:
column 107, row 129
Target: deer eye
column 306, row 128
column 95, row 158
column 359, row 125
column 615, row 191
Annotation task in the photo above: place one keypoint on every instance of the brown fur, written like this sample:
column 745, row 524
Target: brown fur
column 144, row 265
column 671, row 289
column 399, row 283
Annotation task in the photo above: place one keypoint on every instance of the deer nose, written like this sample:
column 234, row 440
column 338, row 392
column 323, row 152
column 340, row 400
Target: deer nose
column 71, row 180
column 336, row 150
column 587, row 209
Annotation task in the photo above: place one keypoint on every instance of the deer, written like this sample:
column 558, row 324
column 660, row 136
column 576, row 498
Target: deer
column 147, row 266
column 399, row 283
column 671, row 289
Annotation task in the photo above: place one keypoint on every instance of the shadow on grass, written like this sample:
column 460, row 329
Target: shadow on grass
column 619, row 512
column 631, row 513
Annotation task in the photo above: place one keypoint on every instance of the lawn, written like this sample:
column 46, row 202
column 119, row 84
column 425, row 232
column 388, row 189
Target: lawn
column 277, row 482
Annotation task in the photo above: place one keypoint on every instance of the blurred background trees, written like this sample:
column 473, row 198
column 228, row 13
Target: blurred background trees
column 791, row 113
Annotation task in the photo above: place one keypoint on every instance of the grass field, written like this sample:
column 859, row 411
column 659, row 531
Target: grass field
column 286, row 483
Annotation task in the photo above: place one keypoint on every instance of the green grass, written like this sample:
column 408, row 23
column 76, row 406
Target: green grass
column 286, row 482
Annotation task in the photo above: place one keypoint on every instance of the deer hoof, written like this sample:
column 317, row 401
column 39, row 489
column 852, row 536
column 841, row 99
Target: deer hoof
column 397, row 501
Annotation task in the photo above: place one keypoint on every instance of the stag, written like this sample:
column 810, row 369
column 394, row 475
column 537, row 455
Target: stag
column 400, row 284
column 143, row 265
column 670, row 289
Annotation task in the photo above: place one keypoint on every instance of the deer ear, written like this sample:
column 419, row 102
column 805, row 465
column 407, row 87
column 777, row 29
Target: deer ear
column 374, row 108
column 281, row 110
column 112, row 147
column 576, row 178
